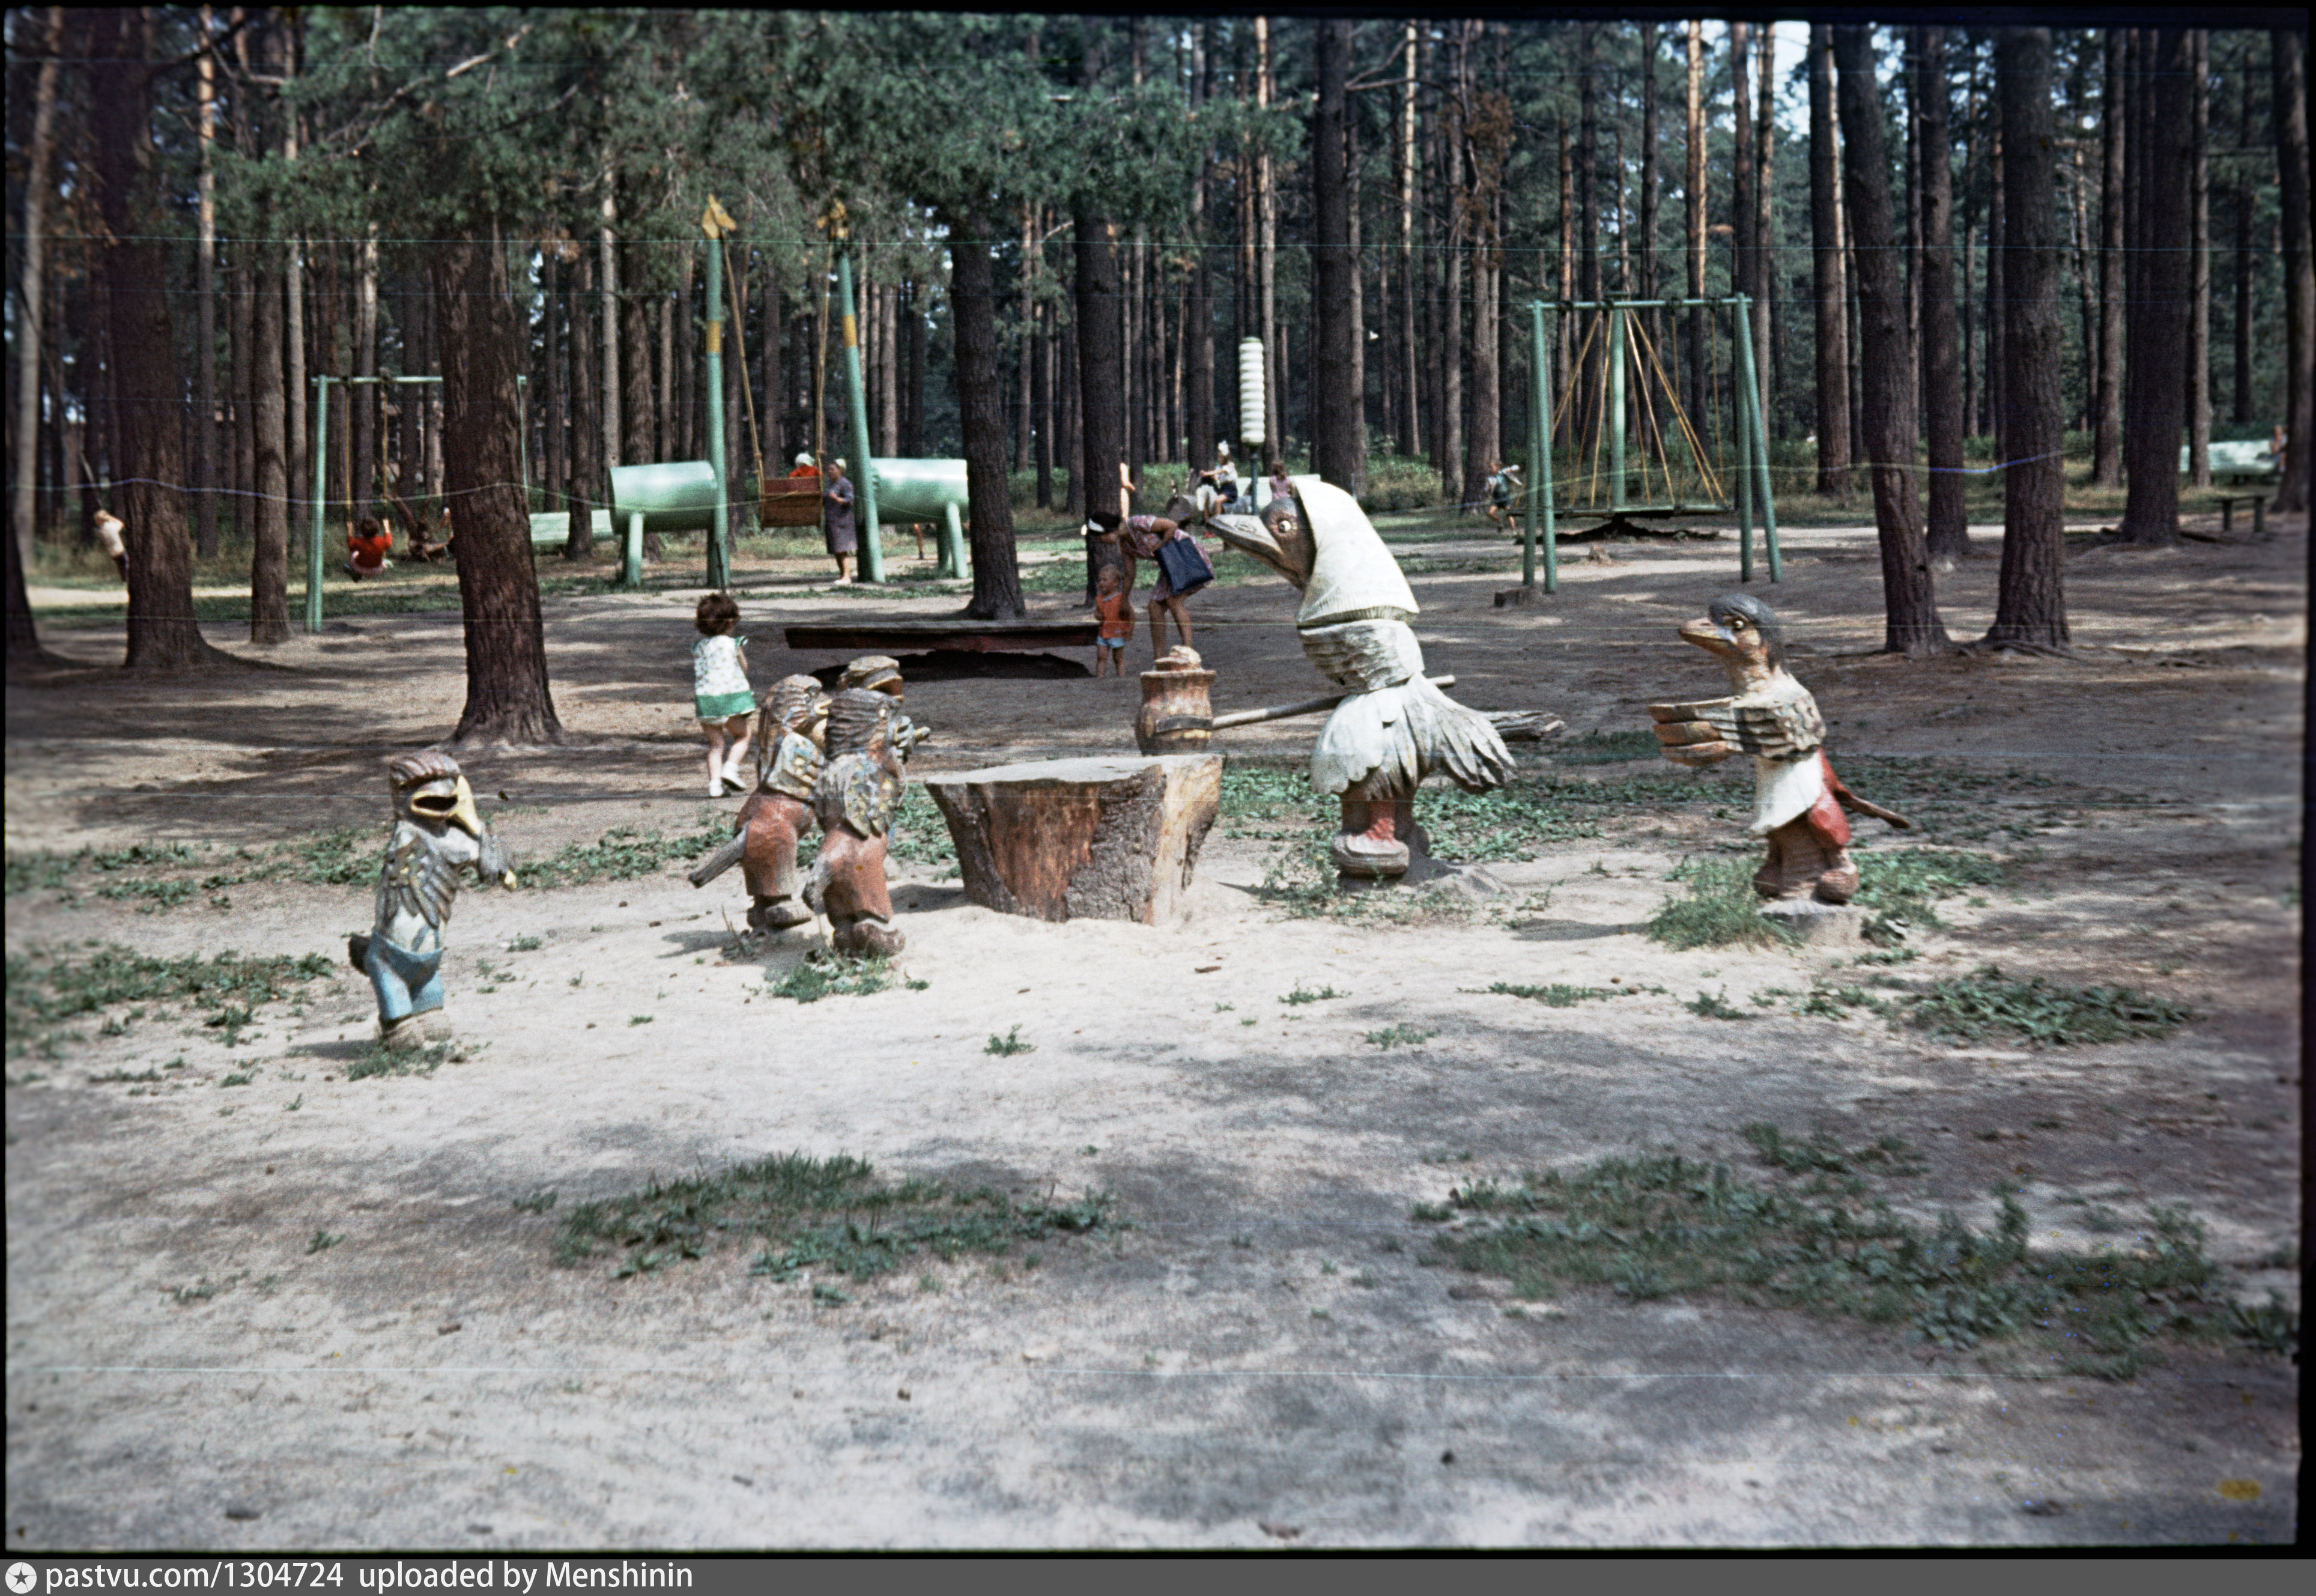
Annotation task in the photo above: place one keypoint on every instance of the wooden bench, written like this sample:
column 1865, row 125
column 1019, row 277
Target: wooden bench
column 2258, row 502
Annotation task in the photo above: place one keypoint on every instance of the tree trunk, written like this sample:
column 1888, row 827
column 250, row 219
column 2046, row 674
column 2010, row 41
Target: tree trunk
column 1411, row 438
column 507, row 696
column 2290, row 114
column 1740, row 195
column 1041, row 397
column 586, row 428
column 1101, row 361
column 1912, row 626
column 639, row 414
column 1336, row 407
column 205, row 432
column 36, row 314
column 973, row 311
column 2246, row 197
column 1765, row 241
column 268, row 563
column 551, row 348
column 1694, row 202
column 147, row 443
column 1825, row 257
column 2155, row 399
column 2107, row 430
column 369, row 411
column 2199, row 265
column 2032, row 602
column 1998, row 396
column 1949, row 525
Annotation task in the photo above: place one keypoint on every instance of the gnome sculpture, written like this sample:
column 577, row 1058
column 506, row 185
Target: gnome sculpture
column 1395, row 728
column 791, row 733
column 1798, row 800
column 855, row 800
column 436, row 834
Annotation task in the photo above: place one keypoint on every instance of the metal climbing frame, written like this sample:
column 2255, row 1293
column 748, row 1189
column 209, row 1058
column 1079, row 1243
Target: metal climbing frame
column 1599, row 412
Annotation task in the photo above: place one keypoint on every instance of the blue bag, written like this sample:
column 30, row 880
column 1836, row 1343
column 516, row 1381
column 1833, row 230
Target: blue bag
column 1186, row 566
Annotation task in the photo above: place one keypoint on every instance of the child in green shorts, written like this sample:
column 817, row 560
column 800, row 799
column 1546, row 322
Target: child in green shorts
column 720, row 694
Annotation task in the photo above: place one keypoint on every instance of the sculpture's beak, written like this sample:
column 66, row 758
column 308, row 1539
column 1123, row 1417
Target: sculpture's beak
column 463, row 815
column 1290, row 558
column 1711, row 636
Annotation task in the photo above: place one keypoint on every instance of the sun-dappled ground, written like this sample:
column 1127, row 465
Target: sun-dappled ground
column 1473, row 1216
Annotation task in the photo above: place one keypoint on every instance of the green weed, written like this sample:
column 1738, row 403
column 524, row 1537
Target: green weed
column 824, row 974
column 1400, row 1035
column 624, row 853
column 322, row 1241
column 378, row 1059
column 1303, row 994
column 49, row 985
column 1558, row 995
column 813, row 1213
column 1721, row 910
column 1602, row 748
column 535, row 1202
column 1708, row 1006
column 1011, row 1043
column 1985, row 1003
column 1661, row 1224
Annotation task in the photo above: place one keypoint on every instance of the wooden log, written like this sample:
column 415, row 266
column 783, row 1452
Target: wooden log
column 1082, row 839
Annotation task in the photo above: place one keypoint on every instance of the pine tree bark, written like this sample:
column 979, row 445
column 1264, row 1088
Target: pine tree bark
column 973, row 309
column 1909, row 601
column 508, row 701
column 37, row 315
column 1694, row 202
column 2155, row 398
column 1101, row 362
column 1829, row 302
column 2199, row 265
column 586, row 427
column 1741, row 192
column 147, row 443
column 1765, row 243
column 1949, row 524
column 2288, row 67
column 2031, row 605
column 1335, row 409
column 268, row 563
column 369, row 411
column 2107, row 430
column 205, row 431
column 1997, row 252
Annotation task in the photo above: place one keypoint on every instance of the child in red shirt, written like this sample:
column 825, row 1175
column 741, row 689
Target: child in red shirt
column 1115, row 606
column 368, row 544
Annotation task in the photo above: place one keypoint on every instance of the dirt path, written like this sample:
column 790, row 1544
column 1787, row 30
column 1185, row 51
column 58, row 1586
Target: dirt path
column 1272, row 1353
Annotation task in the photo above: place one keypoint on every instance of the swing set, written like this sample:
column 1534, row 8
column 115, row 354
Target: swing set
column 1624, row 445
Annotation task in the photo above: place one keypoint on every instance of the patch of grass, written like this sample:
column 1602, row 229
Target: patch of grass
column 1011, row 1043
column 378, row 1059
column 322, row 1241
column 826, row 1214
column 1707, row 1006
column 1660, row 1225
column 1720, row 911
column 919, row 835
column 1603, row 748
column 1303, row 994
column 1986, row 1004
column 1901, row 887
column 525, row 944
column 1400, row 1035
column 1558, row 995
column 640, row 1020
column 624, row 853
column 824, row 974
column 535, row 1202
column 46, row 984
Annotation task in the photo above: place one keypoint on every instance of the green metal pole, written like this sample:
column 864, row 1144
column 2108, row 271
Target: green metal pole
column 1539, row 440
column 1769, row 504
column 1740, row 339
column 1550, row 532
column 864, row 471
column 718, row 573
column 321, row 487
column 1616, row 408
column 952, row 542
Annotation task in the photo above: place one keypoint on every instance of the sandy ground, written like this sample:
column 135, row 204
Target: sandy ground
column 1214, row 1376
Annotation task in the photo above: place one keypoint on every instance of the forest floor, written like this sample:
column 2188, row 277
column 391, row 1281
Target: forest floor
column 1211, row 1219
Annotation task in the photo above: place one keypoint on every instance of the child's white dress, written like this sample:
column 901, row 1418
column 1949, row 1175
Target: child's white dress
column 720, row 685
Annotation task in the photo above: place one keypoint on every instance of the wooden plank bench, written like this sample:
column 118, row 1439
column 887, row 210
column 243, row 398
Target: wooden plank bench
column 959, row 632
column 788, row 501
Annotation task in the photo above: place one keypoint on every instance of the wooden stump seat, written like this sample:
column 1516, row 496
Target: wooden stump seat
column 1082, row 839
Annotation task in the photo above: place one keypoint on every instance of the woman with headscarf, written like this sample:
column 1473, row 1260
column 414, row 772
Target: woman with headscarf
column 836, row 518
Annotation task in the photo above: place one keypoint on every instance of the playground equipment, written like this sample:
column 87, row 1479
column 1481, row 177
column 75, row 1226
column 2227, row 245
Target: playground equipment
column 1625, row 441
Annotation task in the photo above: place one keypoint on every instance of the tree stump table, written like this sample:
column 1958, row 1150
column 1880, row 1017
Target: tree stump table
column 1082, row 839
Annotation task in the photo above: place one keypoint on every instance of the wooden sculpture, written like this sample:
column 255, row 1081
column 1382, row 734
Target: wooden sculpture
column 1798, row 800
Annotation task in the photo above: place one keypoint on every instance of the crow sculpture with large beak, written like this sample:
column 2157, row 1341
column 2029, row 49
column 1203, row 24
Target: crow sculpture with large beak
column 1395, row 728
column 1798, row 801
column 437, row 832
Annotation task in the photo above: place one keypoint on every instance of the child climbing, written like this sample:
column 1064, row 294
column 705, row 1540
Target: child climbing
column 720, row 694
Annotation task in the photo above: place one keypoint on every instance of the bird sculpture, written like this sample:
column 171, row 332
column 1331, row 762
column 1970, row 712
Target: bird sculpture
column 1798, row 800
column 1393, row 727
